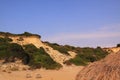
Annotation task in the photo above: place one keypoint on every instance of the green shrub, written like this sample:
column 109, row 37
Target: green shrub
column 58, row 47
column 5, row 40
column 78, row 60
column 10, row 51
column 86, row 55
column 39, row 58
column 7, row 34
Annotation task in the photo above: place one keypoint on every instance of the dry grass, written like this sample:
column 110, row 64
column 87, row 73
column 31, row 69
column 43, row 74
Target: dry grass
column 106, row 69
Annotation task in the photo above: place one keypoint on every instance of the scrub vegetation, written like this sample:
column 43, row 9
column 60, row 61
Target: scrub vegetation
column 39, row 58
column 27, row 34
column 84, row 55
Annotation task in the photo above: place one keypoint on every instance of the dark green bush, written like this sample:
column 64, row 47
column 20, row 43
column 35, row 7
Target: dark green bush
column 7, row 34
column 78, row 60
column 28, row 34
column 86, row 55
column 39, row 58
column 5, row 40
column 10, row 51
column 58, row 47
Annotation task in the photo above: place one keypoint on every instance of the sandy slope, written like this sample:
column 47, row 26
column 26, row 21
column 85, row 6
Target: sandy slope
column 66, row 73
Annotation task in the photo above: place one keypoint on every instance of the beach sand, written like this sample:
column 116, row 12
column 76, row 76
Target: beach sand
column 65, row 73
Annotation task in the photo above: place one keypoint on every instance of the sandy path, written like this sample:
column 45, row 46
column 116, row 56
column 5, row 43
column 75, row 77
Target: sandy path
column 66, row 73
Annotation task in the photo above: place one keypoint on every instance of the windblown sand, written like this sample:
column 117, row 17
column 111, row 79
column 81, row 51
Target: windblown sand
column 66, row 73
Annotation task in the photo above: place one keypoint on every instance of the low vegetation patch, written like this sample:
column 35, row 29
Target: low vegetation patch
column 87, row 55
column 60, row 48
column 84, row 55
column 27, row 34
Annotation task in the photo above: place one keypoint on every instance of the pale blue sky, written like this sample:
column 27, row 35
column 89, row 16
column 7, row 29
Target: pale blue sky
column 75, row 22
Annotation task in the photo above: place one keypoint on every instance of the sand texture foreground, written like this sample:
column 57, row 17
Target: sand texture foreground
column 66, row 73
